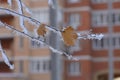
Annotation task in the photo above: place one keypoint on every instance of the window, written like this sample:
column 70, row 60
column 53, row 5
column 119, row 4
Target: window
column 21, row 42
column 73, row 1
column 99, row 18
column 104, row 43
column 117, row 0
column 99, row 1
column 40, row 65
column 100, row 44
column 116, row 18
column 74, row 68
column 35, row 44
column 41, row 15
column 21, row 67
column 74, row 20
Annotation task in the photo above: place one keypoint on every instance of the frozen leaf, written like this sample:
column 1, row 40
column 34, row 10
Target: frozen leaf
column 41, row 31
column 69, row 36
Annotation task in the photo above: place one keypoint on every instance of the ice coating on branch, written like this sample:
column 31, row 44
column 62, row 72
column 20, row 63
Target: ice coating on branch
column 5, row 58
column 88, row 35
column 37, row 40
column 55, row 50
column 21, row 17
column 9, row 2
column 82, row 35
column 96, row 36
column 26, row 8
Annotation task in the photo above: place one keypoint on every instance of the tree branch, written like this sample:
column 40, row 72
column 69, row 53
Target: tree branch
column 39, row 41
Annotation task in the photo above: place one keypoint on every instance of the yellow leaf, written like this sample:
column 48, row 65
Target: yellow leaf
column 41, row 31
column 69, row 36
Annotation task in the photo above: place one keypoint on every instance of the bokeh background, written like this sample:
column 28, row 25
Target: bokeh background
column 99, row 59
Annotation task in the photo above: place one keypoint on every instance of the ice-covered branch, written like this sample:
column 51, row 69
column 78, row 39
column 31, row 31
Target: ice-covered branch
column 39, row 41
column 80, row 35
column 28, row 18
column 20, row 9
column 26, row 8
column 5, row 58
column 89, row 35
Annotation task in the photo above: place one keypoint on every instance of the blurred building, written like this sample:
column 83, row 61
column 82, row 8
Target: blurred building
column 86, row 15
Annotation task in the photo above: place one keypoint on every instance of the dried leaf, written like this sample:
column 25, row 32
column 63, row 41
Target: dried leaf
column 69, row 36
column 41, row 30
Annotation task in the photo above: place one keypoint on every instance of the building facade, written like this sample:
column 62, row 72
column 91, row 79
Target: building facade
column 86, row 15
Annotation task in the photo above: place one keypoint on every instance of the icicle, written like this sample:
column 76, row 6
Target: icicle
column 5, row 58
column 50, row 2
column 10, row 2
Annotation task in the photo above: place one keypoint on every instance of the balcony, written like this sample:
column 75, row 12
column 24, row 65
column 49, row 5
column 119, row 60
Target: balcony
column 6, row 18
column 12, row 76
column 4, row 3
column 7, row 74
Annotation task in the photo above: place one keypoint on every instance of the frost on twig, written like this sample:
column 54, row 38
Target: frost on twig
column 26, row 8
column 39, row 41
column 20, row 9
column 5, row 58
column 10, row 2
column 89, row 35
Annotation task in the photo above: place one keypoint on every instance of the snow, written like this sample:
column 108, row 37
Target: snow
column 20, row 10
column 95, row 36
column 90, row 36
column 55, row 50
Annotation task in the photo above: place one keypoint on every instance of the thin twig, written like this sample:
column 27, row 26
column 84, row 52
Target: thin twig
column 38, row 40
column 38, row 22
column 27, row 17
